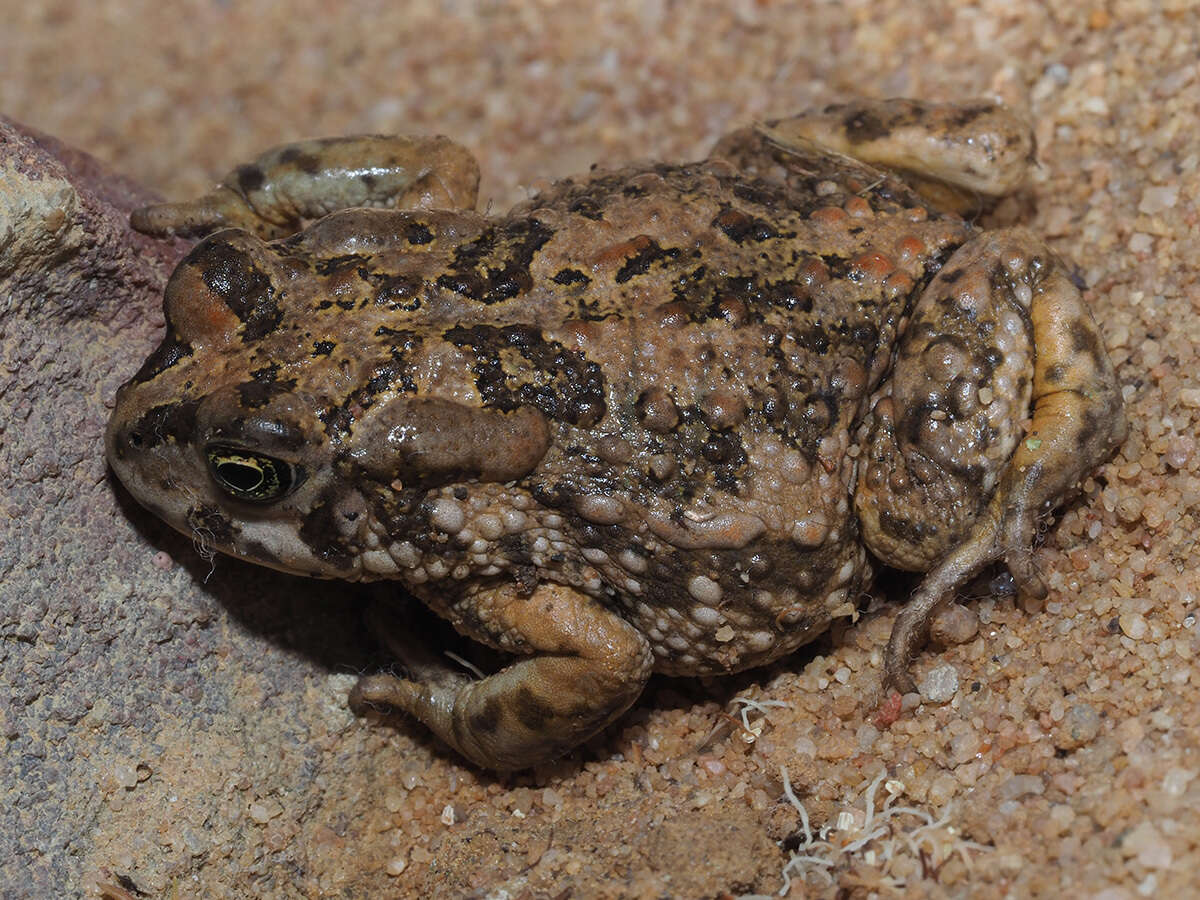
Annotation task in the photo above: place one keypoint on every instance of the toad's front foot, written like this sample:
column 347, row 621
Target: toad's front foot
column 585, row 666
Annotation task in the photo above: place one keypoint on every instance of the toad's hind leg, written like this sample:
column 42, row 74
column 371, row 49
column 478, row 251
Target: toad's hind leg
column 952, row 153
column 274, row 195
column 586, row 665
column 951, row 481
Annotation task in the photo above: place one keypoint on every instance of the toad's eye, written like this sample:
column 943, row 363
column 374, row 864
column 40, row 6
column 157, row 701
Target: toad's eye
column 253, row 477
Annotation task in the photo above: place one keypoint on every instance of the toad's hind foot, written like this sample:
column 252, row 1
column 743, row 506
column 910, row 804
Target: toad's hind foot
column 273, row 196
column 951, row 481
column 585, row 666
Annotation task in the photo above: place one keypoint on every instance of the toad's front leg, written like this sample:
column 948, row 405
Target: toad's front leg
column 952, row 481
column 586, row 665
column 274, row 195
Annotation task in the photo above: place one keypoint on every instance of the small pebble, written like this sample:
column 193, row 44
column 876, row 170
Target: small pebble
column 1020, row 786
column 956, row 624
column 1079, row 727
column 1179, row 451
column 1132, row 625
column 1146, row 843
column 1158, row 199
column 939, row 685
column 126, row 776
column 396, row 866
column 806, row 746
column 1176, row 781
column 1140, row 242
column 259, row 813
column 1058, row 73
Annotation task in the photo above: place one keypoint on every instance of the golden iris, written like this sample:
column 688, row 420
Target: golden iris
column 250, row 476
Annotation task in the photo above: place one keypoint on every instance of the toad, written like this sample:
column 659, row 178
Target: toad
column 659, row 418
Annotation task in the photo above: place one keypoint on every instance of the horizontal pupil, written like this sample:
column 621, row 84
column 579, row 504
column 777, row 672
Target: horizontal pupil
column 240, row 476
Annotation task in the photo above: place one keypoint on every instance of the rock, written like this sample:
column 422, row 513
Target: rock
column 109, row 664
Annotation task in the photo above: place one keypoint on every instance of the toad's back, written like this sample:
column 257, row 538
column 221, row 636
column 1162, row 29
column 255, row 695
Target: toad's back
column 786, row 288
column 701, row 341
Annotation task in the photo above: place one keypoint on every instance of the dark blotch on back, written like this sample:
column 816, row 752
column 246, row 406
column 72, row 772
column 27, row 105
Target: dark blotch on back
column 904, row 529
column 647, row 254
column 758, row 297
column 418, row 233
column 570, row 276
column 488, row 718
column 965, row 115
column 263, row 388
column 335, row 264
column 1093, row 420
column 562, row 383
column 588, row 207
column 400, row 292
column 260, row 552
column 495, row 266
column 761, row 193
column 1084, row 340
column 739, row 227
column 393, row 373
column 305, row 162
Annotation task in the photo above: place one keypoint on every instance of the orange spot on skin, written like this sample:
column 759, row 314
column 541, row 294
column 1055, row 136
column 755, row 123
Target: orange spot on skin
column 579, row 333
column 830, row 216
column 207, row 320
column 858, row 208
column 623, row 250
column 814, row 272
column 873, row 265
column 909, row 248
column 732, row 310
column 898, row 284
column 731, row 218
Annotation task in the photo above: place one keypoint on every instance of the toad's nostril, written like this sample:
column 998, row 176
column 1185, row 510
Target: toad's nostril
column 135, row 440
